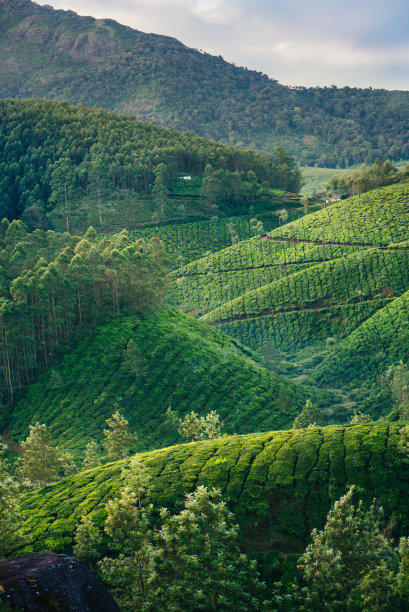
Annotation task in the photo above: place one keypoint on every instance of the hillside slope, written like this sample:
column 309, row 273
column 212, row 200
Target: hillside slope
column 71, row 167
column 60, row 55
column 279, row 484
column 182, row 363
column 376, row 219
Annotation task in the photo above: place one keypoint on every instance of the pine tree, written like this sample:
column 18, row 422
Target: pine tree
column 346, row 559
column 87, row 539
column 92, row 457
column 137, row 477
column 10, row 535
column 38, row 463
column 310, row 415
column 128, row 529
column 118, row 438
column 197, row 561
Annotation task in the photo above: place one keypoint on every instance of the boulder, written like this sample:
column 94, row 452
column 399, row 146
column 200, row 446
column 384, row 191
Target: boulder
column 47, row 582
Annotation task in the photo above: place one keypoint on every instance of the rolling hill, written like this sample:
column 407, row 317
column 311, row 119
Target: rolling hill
column 182, row 364
column 60, row 55
column 279, row 484
column 66, row 167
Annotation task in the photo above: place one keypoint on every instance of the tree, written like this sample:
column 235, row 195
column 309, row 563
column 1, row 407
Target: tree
column 397, row 380
column 194, row 427
column 62, row 185
column 360, row 418
column 118, row 438
column 11, row 537
column 197, row 561
column 310, row 415
column 87, row 540
column 137, row 478
column 160, row 190
column 38, row 463
column 347, row 559
column 128, row 528
column 134, row 361
column 92, row 457
column 66, row 465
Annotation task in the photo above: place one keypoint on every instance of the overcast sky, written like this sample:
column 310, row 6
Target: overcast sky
column 299, row 42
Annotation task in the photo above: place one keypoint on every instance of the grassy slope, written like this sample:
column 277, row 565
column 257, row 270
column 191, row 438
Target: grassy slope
column 188, row 366
column 279, row 484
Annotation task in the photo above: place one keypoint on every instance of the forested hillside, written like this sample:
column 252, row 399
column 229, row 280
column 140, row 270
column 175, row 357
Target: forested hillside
column 66, row 167
column 279, row 484
column 55, row 287
column 60, row 55
column 145, row 365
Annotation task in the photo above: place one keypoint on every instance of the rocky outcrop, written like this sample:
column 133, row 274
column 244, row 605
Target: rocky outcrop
column 47, row 582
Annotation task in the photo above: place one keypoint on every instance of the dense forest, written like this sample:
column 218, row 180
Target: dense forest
column 65, row 167
column 60, row 55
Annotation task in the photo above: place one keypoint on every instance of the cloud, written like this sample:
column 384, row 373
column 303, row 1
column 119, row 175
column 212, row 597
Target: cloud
column 216, row 11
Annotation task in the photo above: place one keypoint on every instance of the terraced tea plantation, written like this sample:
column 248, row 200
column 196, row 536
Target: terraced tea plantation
column 182, row 364
column 279, row 484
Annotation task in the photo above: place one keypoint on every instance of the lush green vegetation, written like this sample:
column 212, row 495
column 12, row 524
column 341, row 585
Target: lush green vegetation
column 180, row 363
column 60, row 55
column 70, row 167
column 54, row 288
column 380, row 341
column 347, row 227
column 188, row 241
column 279, row 484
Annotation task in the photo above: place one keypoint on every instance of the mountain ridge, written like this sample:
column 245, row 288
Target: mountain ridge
column 60, row 55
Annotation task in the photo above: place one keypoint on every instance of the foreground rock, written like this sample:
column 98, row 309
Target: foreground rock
column 47, row 582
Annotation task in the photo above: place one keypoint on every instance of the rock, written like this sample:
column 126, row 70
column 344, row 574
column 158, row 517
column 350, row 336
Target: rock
column 47, row 582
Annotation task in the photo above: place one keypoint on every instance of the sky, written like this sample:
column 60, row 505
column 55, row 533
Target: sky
column 360, row 43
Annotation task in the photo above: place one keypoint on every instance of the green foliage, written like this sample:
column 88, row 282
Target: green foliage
column 350, row 563
column 206, row 427
column 157, row 78
column 364, row 179
column 280, row 485
column 310, row 415
column 67, row 167
column 92, row 456
column 118, row 438
column 197, row 561
column 54, row 288
column 189, row 365
column 127, row 526
column 87, row 540
column 10, row 517
column 38, row 462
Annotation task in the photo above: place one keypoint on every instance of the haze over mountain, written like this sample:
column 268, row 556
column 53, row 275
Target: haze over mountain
column 60, row 55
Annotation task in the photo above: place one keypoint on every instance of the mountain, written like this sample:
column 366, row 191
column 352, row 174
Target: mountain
column 279, row 484
column 181, row 364
column 60, row 55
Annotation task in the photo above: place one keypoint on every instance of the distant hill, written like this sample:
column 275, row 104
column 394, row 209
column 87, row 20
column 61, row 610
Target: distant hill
column 60, row 55
column 68, row 167
column 184, row 365
column 279, row 484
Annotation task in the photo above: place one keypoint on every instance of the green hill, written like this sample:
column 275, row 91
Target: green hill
column 380, row 341
column 279, row 484
column 188, row 241
column 69, row 167
column 182, row 363
column 60, row 55
column 377, row 218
